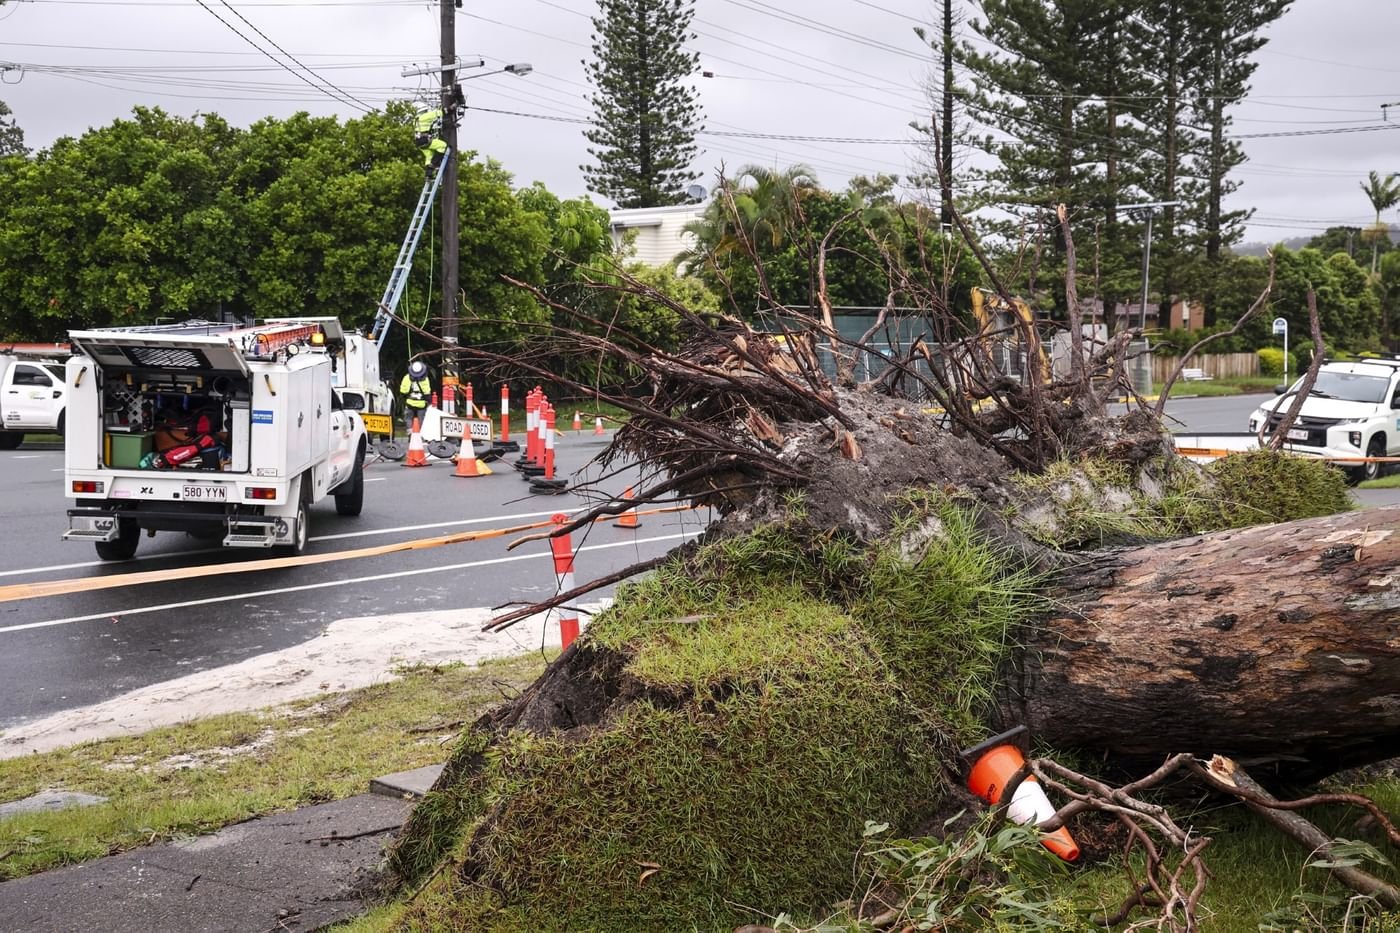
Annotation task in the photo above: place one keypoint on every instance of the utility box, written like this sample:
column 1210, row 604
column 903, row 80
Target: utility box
column 124, row 451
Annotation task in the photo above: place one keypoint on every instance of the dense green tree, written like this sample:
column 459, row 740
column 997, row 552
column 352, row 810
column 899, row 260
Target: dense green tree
column 785, row 215
column 1343, row 240
column 156, row 216
column 1348, row 307
column 646, row 113
column 1387, row 288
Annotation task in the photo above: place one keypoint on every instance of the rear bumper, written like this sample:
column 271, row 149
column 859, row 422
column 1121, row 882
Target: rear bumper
column 238, row 527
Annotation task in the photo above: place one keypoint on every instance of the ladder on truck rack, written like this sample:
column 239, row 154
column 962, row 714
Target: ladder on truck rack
column 399, row 277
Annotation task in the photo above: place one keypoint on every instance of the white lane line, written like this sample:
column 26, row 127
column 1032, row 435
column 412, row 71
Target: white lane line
column 169, row 555
column 119, row 613
column 348, row 534
column 376, row 479
column 460, row 521
column 26, row 457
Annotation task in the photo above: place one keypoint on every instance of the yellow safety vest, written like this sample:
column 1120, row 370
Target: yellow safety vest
column 415, row 391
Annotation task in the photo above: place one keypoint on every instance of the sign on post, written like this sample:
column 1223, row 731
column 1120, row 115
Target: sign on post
column 377, row 424
column 1281, row 327
column 463, row 427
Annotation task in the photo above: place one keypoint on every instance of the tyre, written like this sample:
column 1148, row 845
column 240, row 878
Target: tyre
column 10, row 440
column 351, row 500
column 123, row 546
column 1368, row 471
column 62, row 423
column 299, row 536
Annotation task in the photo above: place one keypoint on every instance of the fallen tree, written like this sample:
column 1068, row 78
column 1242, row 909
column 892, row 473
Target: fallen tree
column 901, row 566
column 1275, row 645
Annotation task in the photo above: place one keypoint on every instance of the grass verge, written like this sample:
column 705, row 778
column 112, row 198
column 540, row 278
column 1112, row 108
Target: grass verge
column 1214, row 388
column 198, row 776
column 1385, row 482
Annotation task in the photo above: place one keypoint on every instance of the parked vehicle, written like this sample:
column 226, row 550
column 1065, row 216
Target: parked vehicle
column 226, row 432
column 1353, row 410
column 33, row 398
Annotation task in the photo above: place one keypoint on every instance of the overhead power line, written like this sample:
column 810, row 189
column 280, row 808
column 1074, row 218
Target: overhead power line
column 330, row 88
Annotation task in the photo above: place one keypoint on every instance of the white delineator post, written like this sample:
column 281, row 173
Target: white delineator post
column 563, row 550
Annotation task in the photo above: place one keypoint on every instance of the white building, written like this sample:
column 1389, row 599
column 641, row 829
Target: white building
column 659, row 231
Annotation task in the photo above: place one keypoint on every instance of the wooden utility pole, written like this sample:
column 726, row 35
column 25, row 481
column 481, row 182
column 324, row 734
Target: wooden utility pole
column 450, row 233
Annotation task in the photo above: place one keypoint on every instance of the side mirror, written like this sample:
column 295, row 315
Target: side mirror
column 352, row 401
column 1279, row 390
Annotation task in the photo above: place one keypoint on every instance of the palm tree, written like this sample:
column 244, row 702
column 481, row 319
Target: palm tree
column 767, row 206
column 1383, row 195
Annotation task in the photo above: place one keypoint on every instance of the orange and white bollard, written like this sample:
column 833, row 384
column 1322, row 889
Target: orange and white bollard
column 563, row 550
column 549, row 443
column 449, row 397
column 505, row 414
column 471, row 402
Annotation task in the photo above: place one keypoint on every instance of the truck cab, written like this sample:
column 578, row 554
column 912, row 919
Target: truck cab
column 33, row 397
column 225, row 432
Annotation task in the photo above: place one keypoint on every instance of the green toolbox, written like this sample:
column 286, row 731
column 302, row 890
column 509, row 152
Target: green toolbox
column 124, row 451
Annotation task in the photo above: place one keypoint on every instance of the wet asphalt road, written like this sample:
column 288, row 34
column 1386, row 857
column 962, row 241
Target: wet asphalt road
column 67, row 651
column 72, row 650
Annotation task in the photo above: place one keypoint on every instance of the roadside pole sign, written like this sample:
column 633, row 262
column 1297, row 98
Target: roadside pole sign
column 377, row 424
column 463, row 427
column 1281, row 327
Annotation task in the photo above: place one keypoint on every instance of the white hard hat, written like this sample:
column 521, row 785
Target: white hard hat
column 417, row 369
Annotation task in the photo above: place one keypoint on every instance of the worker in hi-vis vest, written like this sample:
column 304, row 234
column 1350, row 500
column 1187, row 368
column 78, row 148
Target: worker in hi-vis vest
column 427, row 126
column 415, row 389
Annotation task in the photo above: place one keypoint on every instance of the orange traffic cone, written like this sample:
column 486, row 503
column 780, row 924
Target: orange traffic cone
column 1029, row 804
column 628, row 519
column 597, row 426
column 578, row 421
column 417, row 454
column 467, row 462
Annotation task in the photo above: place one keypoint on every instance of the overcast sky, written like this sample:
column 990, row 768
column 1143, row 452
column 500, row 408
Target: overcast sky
column 835, row 68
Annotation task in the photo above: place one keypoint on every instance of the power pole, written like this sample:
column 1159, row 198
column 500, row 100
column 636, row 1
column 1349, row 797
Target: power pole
column 450, row 232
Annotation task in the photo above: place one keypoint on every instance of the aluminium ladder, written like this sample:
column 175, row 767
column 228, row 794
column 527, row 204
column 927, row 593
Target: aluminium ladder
column 398, row 279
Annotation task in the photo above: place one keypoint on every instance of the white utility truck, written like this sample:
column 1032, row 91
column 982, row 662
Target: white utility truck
column 33, row 399
column 223, row 431
column 1353, row 411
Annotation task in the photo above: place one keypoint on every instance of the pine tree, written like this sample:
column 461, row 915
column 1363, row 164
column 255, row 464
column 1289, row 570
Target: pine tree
column 1060, row 93
column 11, row 136
column 646, row 114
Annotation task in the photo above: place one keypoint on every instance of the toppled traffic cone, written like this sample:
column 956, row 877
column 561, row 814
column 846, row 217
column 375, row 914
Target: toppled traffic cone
column 994, row 763
column 417, row 453
column 628, row 519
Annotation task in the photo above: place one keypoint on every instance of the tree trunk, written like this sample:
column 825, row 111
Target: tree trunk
column 1276, row 645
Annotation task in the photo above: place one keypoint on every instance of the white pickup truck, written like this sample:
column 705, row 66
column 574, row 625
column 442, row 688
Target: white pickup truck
column 226, row 432
column 1353, row 410
column 33, row 399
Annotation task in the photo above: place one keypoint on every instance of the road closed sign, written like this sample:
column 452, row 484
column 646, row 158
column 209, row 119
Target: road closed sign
column 462, row 427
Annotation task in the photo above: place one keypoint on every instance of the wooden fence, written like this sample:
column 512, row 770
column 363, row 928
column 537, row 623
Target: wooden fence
column 1219, row 365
